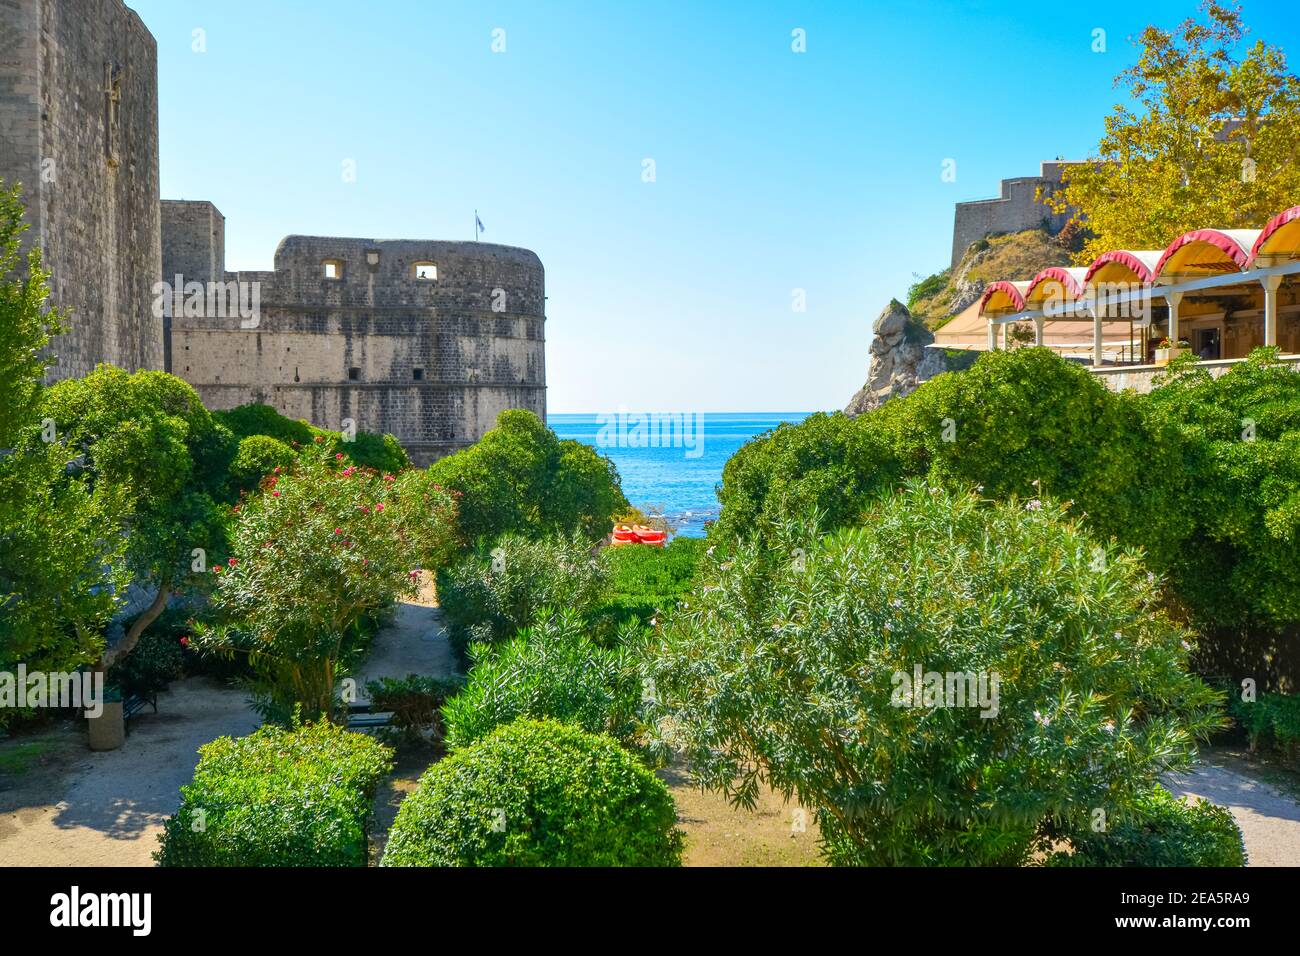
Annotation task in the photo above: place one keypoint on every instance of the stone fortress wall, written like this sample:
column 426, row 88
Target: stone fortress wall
column 79, row 132
column 1017, row 208
column 431, row 359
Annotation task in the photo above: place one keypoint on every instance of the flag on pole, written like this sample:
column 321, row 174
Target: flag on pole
column 478, row 223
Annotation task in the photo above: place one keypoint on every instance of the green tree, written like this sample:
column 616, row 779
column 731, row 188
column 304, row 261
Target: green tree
column 521, row 477
column 791, row 663
column 1211, row 138
column 148, row 434
column 59, row 571
column 320, row 549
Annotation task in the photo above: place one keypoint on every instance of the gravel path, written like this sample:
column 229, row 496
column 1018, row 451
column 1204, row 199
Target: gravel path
column 1269, row 819
column 106, row 809
column 415, row 643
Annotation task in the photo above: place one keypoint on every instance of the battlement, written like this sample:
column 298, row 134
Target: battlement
column 1017, row 207
column 425, row 339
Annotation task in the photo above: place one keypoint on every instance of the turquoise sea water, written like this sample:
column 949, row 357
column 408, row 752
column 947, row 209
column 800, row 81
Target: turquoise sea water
column 676, row 475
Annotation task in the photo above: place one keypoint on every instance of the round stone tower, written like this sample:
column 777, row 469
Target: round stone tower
column 427, row 340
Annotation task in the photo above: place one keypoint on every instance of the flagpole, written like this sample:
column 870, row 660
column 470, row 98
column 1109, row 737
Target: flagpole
column 476, row 225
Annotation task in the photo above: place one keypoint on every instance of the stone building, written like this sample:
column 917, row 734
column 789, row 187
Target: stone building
column 79, row 132
column 1017, row 208
column 427, row 340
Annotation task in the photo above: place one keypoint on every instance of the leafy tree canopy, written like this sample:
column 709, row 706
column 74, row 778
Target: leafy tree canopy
column 1209, row 137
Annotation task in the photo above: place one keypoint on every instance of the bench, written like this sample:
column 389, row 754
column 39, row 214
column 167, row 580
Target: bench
column 132, row 704
column 361, row 717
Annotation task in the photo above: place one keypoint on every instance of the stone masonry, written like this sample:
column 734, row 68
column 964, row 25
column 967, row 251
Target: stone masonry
column 79, row 132
column 431, row 355
column 1017, row 208
column 427, row 340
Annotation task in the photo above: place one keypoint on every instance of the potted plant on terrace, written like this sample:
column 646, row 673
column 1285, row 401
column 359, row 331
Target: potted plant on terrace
column 1167, row 350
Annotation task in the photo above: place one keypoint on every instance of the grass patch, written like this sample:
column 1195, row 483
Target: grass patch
column 17, row 760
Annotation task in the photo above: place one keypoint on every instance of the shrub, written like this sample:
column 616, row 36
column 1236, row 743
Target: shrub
column 258, row 419
column 1160, row 830
column 1272, row 720
column 550, row 670
column 491, row 594
column 415, row 702
column 519, row 477
column 155, row 662
column 256, row 457
column 367, row 449
column 317, row 555
column 828, row 462
column 1201, row 474
column 370, row 450
column 1239, row 563
column 537, row 793
column 792, row 665
column 644, row 582
column 278, row 798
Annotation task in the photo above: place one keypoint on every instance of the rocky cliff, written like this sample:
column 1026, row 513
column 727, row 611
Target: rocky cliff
column 900, row 360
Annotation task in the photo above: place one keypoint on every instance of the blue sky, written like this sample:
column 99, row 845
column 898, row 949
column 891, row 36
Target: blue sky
column 774, row 170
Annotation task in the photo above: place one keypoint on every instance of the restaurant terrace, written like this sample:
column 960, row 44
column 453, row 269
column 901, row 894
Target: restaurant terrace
column 1219, row 293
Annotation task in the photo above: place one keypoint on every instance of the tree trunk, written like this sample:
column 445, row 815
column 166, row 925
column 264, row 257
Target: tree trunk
column 139, row 624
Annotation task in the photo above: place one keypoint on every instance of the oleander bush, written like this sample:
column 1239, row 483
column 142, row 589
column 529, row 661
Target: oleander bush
column 549, row 670
column 1159, row 830
column 537, row 793
column 495, row 591
column 278, row 797
column 794, row 665
column 317, row 555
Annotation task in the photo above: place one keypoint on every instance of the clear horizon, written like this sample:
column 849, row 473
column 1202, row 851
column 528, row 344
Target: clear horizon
column 775, row 171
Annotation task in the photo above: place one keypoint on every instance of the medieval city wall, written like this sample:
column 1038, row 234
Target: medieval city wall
column 432, row 361
column 79, row 131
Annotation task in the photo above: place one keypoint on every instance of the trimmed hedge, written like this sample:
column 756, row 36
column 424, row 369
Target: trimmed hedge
column 278, row 797
column 537, row 793
column 1161, row 831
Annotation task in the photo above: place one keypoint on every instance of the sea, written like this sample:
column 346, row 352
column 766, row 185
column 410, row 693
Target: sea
column 671, row 463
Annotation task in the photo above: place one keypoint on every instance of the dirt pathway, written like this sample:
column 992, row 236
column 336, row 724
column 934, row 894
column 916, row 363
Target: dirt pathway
column 414, row 643
column 106, row 809
column 1268, row 817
